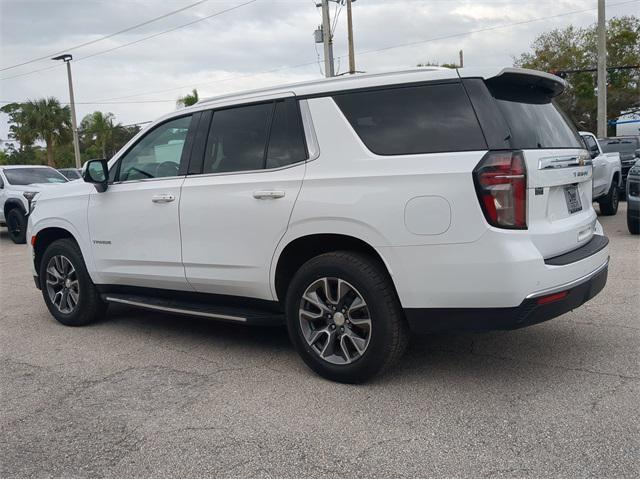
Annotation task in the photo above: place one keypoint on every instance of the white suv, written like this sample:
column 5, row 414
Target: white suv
column 353, row 209
column 19, row 186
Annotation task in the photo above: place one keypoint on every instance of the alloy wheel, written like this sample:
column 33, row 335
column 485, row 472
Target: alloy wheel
column 335, row 320
column 62, row 284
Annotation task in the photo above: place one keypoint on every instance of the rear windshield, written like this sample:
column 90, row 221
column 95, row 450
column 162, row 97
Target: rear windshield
column 410, row 120
column 534, row 120
column 620, row 145
column 29, row 176
column 71, row 173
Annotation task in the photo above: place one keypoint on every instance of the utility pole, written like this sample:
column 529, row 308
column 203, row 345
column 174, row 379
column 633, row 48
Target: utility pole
column 352, row 56
column 327, row 40
column 74, row 125
column 602, row 71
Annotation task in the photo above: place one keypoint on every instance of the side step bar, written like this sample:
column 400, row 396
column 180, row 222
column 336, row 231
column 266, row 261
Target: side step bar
column 197, row 308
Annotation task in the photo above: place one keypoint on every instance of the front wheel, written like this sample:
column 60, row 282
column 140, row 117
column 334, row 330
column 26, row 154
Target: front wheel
column 609, row 202
column 344, row 317
column 17, row 226
column 68, row 291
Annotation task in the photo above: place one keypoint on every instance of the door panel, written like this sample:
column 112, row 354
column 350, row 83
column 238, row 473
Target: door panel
column 135, row 234
column 235, row 212
column 231, row 227
column 134, row 225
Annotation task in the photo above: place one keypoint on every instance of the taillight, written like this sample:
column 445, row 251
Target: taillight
column 501, row 184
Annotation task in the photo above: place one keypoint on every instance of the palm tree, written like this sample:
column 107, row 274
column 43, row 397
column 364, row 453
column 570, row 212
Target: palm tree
column 99, row 128
column 188, row 100
column 50, row 122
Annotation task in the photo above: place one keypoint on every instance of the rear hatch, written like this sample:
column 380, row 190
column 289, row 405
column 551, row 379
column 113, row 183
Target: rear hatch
column 526, row 120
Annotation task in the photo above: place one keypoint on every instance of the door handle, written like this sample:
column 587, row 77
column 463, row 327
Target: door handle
column 163, row 198
column 268, row 194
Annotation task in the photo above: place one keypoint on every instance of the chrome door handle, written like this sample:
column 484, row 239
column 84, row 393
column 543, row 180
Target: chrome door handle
column 269, row 194
column 164, row 198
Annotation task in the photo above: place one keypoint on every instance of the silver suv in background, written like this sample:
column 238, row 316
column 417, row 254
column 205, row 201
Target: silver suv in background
column 607, row 178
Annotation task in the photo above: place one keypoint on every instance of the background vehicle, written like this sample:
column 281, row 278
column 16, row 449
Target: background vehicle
column 354, row 209
column 607, row 178
column 629, row 149
column 633, row 199
column 18, row 187
column 71, row 173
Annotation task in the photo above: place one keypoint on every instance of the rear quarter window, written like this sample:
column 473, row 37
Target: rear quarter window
column 413, row 119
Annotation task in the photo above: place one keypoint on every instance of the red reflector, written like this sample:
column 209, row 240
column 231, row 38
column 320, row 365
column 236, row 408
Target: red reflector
column 33, row 240
column 552, row 297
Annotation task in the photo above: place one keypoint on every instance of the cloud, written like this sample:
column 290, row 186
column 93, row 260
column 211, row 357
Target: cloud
column 228, row 52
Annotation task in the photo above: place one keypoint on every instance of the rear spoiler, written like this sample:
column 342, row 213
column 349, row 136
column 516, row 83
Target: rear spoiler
column 546, row 83
column 552, row 85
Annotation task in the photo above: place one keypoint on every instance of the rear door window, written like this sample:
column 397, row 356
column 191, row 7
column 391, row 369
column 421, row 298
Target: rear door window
column 415, row 119
column 286, row 141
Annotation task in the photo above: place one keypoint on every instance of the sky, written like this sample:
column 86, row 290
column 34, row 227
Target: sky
column 261, row 43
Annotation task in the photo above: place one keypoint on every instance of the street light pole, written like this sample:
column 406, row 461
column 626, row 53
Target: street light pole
column 74, row 125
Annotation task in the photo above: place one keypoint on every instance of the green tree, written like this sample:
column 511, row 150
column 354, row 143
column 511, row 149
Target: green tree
column 98, row 128
column 188, row 100
column 50, row 122
column 19, row 130
column 574, row 48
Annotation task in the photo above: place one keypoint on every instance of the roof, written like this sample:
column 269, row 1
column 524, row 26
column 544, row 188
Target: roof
column 327, row 85
column 10, row 167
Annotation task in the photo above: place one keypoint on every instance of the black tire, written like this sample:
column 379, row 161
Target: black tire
column 89, row 307
column 609, row 202
column 17, row 226
column 633, row 224
column 389, row 333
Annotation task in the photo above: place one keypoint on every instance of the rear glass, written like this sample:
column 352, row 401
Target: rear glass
column 534, row 120
column 621, row 145
column 29, row 176
column 410, row 120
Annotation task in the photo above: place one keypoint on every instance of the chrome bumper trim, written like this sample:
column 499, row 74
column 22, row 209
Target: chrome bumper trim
column 570, row 284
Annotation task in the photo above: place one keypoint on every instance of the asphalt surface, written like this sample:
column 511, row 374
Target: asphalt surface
column 151, row 395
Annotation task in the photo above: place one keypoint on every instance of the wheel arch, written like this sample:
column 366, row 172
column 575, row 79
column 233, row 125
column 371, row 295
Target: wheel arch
column 44, row 238
column 301, row 249
column 12, row 203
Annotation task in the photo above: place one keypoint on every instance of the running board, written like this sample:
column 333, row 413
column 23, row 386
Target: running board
column 197, row 308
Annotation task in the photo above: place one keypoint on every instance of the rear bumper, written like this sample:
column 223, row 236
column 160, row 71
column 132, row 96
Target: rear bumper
column 529, row 312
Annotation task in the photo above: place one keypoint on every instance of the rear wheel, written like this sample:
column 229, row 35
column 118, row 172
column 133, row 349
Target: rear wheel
column 68, row 291
column 609, row 202
column 17, row 226
column 344, row 317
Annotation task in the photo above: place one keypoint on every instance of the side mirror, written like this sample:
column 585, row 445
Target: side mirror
column 594, row 153
column 637, row 153
column 97, row 172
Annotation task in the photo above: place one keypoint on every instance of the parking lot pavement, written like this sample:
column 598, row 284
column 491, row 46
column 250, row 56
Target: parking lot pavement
column 151, row 395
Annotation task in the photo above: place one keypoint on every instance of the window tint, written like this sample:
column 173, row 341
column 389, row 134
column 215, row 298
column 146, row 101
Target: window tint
column 29, row 176
column 410, row 120
column 286, row 142
column 622, row 145
column 534, row 120
column 237, row 139
column 158, row 153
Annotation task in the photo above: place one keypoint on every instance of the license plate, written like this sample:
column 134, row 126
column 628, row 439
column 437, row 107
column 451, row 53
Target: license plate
column 573, row 199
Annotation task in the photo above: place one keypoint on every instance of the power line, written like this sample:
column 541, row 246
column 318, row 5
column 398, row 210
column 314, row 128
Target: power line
column 140, row 39
column 366, row 52
column 125, row 30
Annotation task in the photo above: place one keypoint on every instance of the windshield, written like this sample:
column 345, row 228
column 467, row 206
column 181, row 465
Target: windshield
column 29, row 176
column 71, row 173
column 620, row 145
column 535, row 121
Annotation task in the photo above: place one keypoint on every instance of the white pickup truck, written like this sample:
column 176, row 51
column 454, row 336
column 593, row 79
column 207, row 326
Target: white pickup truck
column 607, row 175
